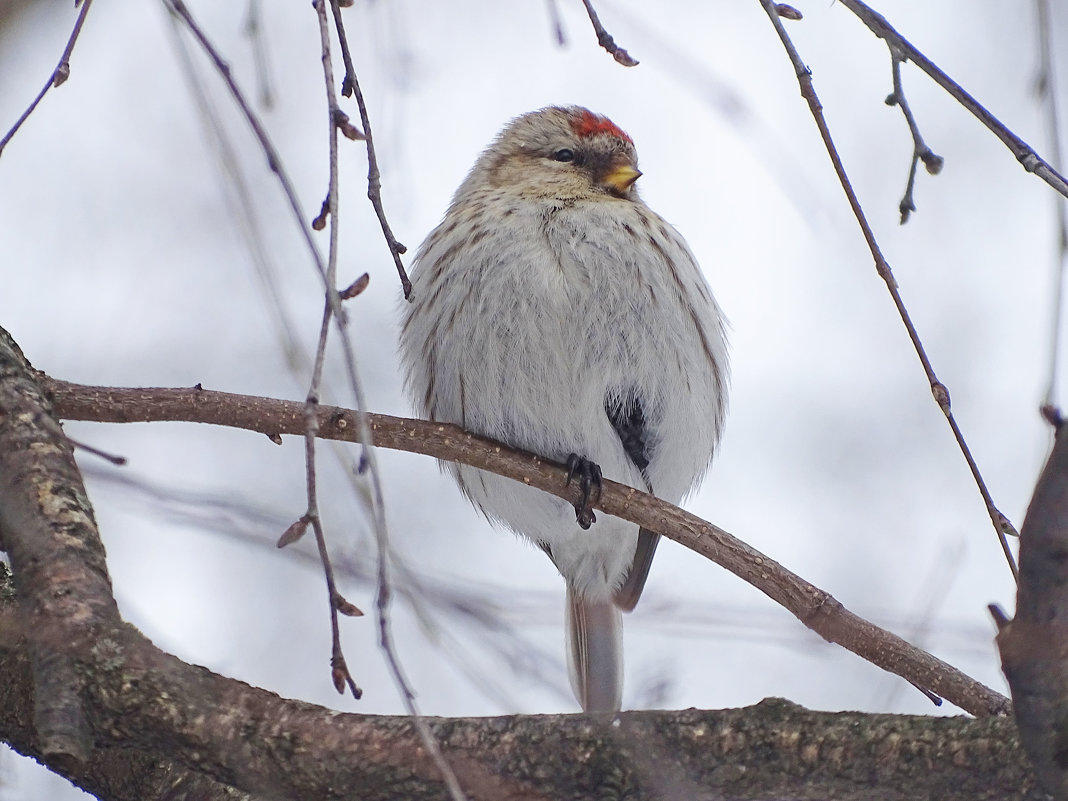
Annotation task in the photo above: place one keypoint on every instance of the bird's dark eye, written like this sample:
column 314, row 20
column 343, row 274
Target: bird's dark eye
column 564, row 154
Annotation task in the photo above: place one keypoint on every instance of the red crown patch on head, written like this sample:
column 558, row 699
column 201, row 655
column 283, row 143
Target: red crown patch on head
column 589, row 124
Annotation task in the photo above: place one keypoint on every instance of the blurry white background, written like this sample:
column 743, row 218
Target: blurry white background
column 123, row 262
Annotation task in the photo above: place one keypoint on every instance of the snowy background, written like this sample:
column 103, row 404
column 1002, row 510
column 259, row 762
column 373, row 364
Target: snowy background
column 124, row 261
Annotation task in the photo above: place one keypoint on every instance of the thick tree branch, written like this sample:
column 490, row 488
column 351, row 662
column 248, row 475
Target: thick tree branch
column 125, row 773
column 44, row 523
column 135, row 696
column 815, row 608
column 60, row 607
column 772, row 750
column 1034, row 646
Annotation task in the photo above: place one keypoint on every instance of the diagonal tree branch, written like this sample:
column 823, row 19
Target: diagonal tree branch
column 1002, row 525
column 814, row 607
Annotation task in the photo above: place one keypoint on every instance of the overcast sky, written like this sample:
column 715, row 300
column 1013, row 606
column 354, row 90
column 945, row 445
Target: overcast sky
column 125, row 261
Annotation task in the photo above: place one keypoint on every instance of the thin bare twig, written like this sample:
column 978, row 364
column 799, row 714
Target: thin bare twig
column 605, row 40
column 368, row 459
column 1047, row 92
column 274, row 161
column 334, row 310
column 815, row 608
column 488, row 610
column 179, row 11
column 920, row 151
column 259, row 53
column 57, row 78
column 111, row 458
column 1002, row 525
column 339, row 667
column 1024, row 153
column 350, row 85
column 556, row 22
column 297, row 361
column 242, row 207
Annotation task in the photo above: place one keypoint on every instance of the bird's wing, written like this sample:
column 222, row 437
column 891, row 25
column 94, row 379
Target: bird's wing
column 628, row 419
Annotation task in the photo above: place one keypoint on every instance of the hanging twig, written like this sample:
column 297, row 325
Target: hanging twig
column 259, row 53
column 368, row 462
column 1002, row 525
column 920, row 151
column 339, row 668
column 350, row 85
column 1024, row 153
column 556, row 22
column 243, row 208
column 605, row 40
column 274, row 161
column 1047, row 92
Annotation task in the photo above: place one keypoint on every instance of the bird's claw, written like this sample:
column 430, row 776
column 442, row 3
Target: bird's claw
column 589, row 481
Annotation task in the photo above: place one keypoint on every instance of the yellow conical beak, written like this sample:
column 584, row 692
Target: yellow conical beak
column 620, row 179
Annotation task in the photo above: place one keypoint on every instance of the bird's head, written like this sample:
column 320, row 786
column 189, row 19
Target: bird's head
column 564, row 153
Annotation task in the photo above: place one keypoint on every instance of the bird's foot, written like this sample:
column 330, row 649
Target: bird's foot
column 589, row 481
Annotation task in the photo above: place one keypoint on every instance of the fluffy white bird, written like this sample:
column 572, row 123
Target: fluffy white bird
column 554, row 311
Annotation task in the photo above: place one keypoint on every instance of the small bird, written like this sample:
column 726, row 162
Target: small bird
column 552, row 310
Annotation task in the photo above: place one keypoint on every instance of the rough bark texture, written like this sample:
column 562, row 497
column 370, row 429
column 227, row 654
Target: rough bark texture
column 95, row 701
column 285, row 749
column 1034, row 646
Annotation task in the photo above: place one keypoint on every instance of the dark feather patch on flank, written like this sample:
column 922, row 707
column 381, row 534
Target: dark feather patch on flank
column 628, row 419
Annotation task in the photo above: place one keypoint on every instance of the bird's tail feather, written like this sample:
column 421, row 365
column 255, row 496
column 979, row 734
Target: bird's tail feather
column 595, row 652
